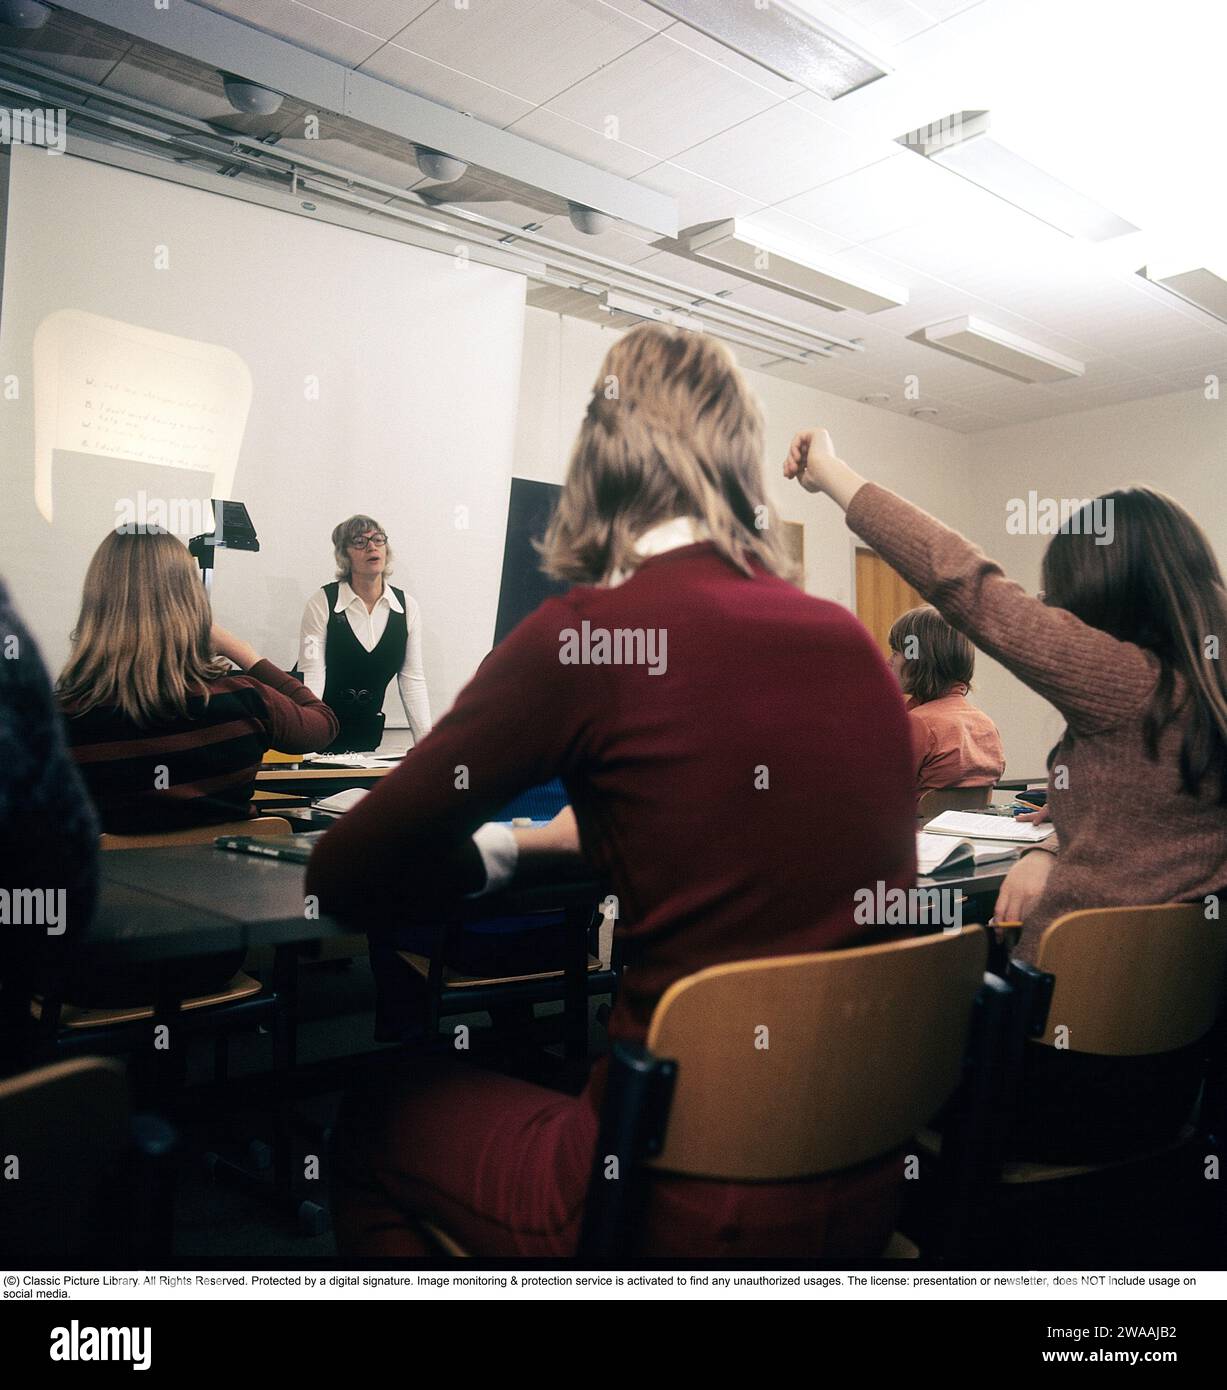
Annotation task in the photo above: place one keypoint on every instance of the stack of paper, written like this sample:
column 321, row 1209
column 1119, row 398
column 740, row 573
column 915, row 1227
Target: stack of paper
column 972, row 826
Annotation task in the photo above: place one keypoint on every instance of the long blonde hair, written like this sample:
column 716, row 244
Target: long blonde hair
column 671, row 430
column 142, row 641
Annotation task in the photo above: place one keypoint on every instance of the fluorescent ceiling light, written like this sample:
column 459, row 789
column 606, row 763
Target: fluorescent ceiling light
column 1195, row 284
column 1000, row 350
column 767, row 260
column 799, row 40
column 961, row 143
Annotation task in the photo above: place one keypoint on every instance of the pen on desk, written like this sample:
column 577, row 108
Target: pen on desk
column 253, row 846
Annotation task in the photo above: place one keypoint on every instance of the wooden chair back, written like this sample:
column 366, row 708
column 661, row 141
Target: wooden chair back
column 1133, row 981
column 795, row 1066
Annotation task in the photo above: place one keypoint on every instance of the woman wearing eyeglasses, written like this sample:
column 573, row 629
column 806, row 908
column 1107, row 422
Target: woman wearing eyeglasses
column 357, row 633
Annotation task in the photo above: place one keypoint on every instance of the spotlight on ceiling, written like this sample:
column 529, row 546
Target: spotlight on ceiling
column 24, row 14
column 588, row 220
column 440, row 167
column 249, row 97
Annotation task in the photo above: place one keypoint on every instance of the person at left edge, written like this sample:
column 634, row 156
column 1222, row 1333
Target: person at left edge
column 357, row 633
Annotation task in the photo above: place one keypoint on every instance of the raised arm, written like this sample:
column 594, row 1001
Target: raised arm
column 1091, row 677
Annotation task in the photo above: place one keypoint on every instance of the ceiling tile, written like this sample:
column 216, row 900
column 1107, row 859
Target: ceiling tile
column 872, row 202
column 889, row 21
column 1198, row 349
column 432, row 80
column 698, row 199
column 778, row 153
column 735, row 62
column 383, row 18
column 639, row 98
column 534, row 48
column 558, row 133
column 1194, row 379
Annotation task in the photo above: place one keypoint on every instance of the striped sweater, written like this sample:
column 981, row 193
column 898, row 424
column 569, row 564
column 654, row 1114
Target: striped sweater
column 201, row 767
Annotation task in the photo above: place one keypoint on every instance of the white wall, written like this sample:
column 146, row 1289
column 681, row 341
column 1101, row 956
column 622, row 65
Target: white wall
column 1175, row 443
column 382, row 379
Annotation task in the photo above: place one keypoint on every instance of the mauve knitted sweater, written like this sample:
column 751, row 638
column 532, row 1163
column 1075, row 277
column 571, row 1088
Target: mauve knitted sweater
column 1128, row 834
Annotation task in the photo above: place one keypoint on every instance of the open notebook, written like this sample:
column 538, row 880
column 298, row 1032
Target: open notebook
column 937, row 853
column 969, row 825
column 340, row 802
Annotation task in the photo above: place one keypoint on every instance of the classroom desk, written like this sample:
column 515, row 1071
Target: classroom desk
column 312, row 781
column 981, row 882
column 192, row 900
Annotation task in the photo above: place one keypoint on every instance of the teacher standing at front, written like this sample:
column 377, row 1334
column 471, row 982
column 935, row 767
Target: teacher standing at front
column 357, row 633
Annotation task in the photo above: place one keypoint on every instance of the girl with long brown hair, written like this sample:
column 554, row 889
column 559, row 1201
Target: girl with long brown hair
column 1125, row 642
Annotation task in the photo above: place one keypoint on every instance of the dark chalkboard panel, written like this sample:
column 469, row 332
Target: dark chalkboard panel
column 524, row 587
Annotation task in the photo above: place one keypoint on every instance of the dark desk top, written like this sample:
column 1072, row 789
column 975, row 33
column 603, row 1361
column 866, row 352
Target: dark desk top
column 189, row 900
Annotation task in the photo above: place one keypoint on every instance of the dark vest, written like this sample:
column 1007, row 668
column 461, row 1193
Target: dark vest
column 356, row 680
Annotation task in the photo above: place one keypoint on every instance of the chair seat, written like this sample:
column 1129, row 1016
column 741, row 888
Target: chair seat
column 453, row 979
column 930, row 1142
column 71, row 1016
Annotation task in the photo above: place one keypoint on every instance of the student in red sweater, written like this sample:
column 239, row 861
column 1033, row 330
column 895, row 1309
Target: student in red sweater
column 672, row 690
column 956, row 744
column 165, row 734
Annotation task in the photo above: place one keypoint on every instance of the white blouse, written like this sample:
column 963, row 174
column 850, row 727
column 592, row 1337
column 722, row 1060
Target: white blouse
column 368, row 626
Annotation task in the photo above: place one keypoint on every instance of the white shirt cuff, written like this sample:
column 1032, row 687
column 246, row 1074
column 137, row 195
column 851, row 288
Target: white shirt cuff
column 499, row 854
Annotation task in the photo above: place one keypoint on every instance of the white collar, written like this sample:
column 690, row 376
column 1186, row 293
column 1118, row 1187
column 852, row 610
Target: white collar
column 346, row 596
column 659, row 539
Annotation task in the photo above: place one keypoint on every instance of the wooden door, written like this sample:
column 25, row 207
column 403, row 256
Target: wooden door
column 881, row 595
